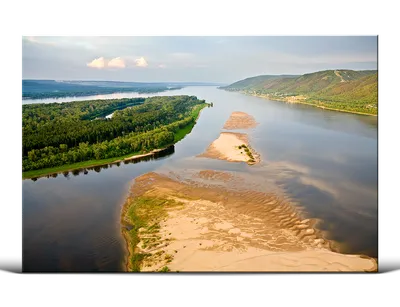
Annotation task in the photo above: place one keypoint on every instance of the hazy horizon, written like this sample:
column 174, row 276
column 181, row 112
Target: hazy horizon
column 211, row 59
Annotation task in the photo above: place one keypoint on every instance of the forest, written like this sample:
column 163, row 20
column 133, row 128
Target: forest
column 61, row 134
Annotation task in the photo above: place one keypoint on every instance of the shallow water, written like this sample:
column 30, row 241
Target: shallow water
column 324, row 161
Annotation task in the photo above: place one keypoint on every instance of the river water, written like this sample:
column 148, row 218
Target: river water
column 323, row 161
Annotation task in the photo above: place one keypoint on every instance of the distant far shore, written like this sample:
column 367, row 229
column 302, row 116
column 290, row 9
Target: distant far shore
column 309, row 104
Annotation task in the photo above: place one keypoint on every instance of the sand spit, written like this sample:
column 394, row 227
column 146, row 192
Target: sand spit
column 240, row 120
column 227, row 147
column 216, row 229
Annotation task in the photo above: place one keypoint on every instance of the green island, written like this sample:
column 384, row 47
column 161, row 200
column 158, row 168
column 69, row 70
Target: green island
column 339, row 90
column 59, row 137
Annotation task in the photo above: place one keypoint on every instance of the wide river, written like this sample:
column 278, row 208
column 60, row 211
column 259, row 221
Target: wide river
column 324, row 161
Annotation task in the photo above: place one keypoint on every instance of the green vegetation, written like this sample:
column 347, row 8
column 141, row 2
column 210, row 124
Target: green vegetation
column 63, row 136
column 343, row 90
column 248, row 152
column 143, row 215
column 165, row 269
column 70, row 167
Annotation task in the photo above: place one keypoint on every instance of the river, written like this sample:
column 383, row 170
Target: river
column 324, row 161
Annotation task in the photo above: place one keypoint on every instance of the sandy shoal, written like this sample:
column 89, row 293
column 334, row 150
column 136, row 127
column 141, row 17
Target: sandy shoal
column 240, row 120
column 216, row 229
column 225, row 147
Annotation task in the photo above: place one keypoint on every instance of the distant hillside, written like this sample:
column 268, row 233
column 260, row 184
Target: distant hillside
column 255, row 82
column 39, row 89
column 344, row 90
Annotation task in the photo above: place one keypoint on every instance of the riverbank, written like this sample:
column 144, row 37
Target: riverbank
column 179, row 135
column 289, row 100
column 180, row 226
column 81, row 166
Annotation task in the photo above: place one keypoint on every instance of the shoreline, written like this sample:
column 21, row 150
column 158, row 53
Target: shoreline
column 177, row 226
column 102, row 162
column 309, row 104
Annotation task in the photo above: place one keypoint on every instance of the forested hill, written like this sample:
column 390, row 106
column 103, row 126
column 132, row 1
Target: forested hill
column 346, row 90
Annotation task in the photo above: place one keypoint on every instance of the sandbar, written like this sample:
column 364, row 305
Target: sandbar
column 228, row 146
column 212, row 228
column 240, row 120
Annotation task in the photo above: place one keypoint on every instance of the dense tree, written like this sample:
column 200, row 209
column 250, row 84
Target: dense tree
column 58, row 134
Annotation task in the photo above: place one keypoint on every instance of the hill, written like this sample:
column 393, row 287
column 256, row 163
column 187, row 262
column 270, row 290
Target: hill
column 343, row 90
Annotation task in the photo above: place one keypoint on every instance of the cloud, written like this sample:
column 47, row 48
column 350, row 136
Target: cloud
column 116, row 63
column 97, row 63
column 162, row 66
column 141, row 62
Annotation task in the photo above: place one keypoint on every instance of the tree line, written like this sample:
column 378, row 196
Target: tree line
column 63, row 136
column 51, row 125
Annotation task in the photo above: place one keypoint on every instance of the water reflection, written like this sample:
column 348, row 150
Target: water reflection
column 76, row 172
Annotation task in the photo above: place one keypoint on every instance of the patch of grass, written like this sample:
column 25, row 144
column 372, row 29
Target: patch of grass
column 136, row 260
column 181, row 133
column 144, row 213
column 159, row 253
column 165, row 269
column 168, row 258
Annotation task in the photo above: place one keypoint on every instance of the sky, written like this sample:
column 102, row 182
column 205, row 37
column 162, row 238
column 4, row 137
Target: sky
column 191, row 58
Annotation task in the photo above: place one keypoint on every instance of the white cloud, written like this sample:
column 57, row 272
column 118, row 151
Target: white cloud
column 116, row 63
column 162, row 66
column 97, row 63
column 141, row 62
